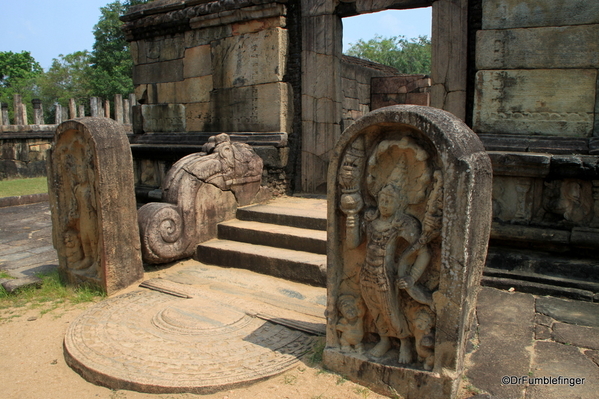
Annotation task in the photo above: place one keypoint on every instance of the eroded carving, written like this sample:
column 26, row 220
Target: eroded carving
column 90, row 181
column 199, row 191
column 398, row 176
column 409, row 220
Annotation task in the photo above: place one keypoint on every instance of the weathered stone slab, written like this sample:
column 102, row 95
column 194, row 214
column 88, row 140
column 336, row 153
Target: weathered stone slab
column 557, row 102
column 162, row 117
column 260, row 108
column 409, row 214
column 560, row 371
column 567, row 311
column 250, row 59
column 505, row 332
column 158, row 72
column 92, row 199
column 12, row 285
column 581, row 336
column 197, row 61
column 554, row 47
column 502, row 14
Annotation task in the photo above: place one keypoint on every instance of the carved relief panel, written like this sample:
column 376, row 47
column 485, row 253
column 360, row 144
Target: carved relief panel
column 409, row 220
column 94, row 223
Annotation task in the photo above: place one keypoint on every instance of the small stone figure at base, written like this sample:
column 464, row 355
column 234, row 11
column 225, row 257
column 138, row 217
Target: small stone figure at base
column 351, row 325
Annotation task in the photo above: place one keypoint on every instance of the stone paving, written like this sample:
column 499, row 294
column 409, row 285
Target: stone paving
column 522, row 346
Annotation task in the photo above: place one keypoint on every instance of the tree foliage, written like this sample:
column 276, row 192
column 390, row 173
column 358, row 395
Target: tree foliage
column 411, row 56
column 16, row 68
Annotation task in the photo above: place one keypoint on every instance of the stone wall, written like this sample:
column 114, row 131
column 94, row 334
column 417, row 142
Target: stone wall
column 24, row 153
column 356, row 77
column 203, row 69
column 536, row 109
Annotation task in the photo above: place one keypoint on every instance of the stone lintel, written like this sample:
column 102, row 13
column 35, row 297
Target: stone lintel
column 256, row 12
column 529, row 234
column 522, row 164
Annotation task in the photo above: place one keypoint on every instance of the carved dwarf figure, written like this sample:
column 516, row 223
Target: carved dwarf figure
column 351, row 324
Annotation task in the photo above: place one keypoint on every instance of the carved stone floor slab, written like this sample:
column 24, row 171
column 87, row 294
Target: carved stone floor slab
column 200, row 329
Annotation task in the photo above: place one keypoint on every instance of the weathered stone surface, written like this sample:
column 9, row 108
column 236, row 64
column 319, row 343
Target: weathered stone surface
column 567, row 311
column 553, row 360
column 250, row 59
column 197, row 61
column 94, row 223
column 158, row 72
column 502, row 14
column 12, row 285
column 505, row 333
column 163, row 117
column 449, row 56
column 581, row 336
column 522, row 164
column 527, row 102
column 261, row 108
column 194, row 90
column 215, row 337
column 199, row 191
column 396, row 179
column 538, row 48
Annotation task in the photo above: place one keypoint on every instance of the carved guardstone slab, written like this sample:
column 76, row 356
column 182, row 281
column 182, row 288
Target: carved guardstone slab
column 92, row 199
column 409, row 216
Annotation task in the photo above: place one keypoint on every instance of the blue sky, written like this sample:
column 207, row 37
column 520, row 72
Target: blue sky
column 47, row 28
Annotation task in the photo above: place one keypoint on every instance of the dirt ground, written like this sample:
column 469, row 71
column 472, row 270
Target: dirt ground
column 32, row 366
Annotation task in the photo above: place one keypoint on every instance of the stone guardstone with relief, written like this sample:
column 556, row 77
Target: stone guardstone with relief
column 92, row 199
column 409, row 216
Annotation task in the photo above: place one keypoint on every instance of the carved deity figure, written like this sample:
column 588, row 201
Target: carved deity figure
column 397, row 249
column 81, row 235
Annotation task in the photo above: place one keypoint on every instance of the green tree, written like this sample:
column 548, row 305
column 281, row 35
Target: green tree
column 111, row 64
column 67, row 78
column 411, row 56
column 18, row 74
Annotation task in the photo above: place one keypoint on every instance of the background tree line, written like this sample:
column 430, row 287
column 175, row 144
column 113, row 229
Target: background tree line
column 105, row 71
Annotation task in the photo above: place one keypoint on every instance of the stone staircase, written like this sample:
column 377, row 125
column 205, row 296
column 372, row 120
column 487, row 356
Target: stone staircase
column 284, row 238
column 287, row 238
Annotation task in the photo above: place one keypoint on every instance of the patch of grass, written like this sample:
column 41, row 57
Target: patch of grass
column 315, row 355
column 52, row 293
column 15, row 187
column 341, row 380
column 4, row 274
column 362, row 391
column 290, row 380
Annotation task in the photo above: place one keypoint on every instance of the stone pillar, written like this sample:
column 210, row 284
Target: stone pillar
column 94, row 214
column 38, row 112
column 94, row 106
column 58, row 114
column 106, row 109
column 81, row 112
column 4, row 114
column 449, row 56
column 126, row 111
column 322, row 96
column 409, row 218
column 118, row 108
column 18, row 110
column 72, row 108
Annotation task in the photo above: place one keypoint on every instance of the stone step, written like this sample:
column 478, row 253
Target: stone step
column 274, row 235
column 305, row 213
column 299, row 266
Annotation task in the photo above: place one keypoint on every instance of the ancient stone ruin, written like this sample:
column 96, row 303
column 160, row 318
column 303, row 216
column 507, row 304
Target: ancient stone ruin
column 200, row 190
column 94, row 223
column 409, row 210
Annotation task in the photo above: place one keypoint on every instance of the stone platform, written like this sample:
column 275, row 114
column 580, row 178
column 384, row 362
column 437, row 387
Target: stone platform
column 199, row 329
